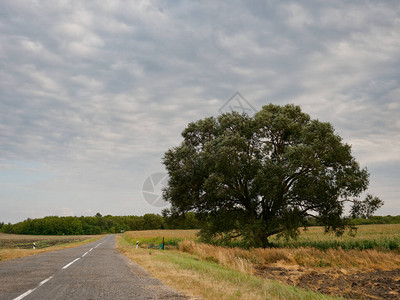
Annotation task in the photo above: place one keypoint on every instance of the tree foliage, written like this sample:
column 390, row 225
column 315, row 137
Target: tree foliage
column 365, row 209
column 258, row 176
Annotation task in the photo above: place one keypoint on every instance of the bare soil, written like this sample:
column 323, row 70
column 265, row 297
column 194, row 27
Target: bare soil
column 14, row 241
column 351, row 284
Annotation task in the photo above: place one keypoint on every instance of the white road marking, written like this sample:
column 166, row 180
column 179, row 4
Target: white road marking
column 44, row 281
column 67, row 265
column 98, row 244
column 47, row 279
column 30, row 291
column 24, row 294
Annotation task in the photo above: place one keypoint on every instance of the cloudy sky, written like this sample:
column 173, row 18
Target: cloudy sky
column 92, row 93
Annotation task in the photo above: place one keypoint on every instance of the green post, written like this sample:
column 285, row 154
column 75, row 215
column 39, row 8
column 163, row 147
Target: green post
column 162, row 244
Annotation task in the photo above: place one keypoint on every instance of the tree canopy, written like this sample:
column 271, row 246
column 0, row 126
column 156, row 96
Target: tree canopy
column 269, row 174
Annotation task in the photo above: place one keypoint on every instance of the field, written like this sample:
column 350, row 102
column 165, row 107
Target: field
column 15, row 246
column 172, row 238
column 379, row 236
column 292, row 270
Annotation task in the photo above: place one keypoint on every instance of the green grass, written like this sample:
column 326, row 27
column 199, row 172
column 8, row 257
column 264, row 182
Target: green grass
column 379, row 237
column 381, row 244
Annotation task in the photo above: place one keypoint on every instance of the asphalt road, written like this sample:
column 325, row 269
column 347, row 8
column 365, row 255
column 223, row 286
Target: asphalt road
column 93, row 271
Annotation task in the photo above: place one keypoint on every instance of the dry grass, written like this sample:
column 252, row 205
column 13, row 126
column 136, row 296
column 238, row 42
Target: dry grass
column 203, row 279
column 164, row 271
column 215, row 272
column 236, row 258
column 14, row 252
column 248, row 260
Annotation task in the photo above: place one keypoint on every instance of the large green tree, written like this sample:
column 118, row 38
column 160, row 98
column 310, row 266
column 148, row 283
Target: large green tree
column 268, row 174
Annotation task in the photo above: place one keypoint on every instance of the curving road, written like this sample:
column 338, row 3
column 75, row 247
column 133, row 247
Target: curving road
column 93, row 271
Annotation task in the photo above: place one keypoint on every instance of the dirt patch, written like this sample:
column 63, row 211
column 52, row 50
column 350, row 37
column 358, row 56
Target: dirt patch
column 354, row 284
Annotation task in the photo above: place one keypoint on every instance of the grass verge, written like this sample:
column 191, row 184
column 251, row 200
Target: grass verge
column 205, row 279
column 154, row 237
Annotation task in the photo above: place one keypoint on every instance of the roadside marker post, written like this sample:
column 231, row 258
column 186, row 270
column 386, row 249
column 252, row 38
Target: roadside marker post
column 160, row 246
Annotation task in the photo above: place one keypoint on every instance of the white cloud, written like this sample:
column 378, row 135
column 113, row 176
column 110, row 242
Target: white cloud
column 32, row 46
column 377, row 149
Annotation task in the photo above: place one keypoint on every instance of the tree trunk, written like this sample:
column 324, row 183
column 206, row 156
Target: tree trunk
column 261, row 239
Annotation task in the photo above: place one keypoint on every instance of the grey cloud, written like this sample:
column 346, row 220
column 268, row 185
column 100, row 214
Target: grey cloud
column 97, row 92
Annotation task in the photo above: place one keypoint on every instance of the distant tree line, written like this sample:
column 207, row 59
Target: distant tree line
column 98, row 224
column 363, row 220
column 377, row 220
